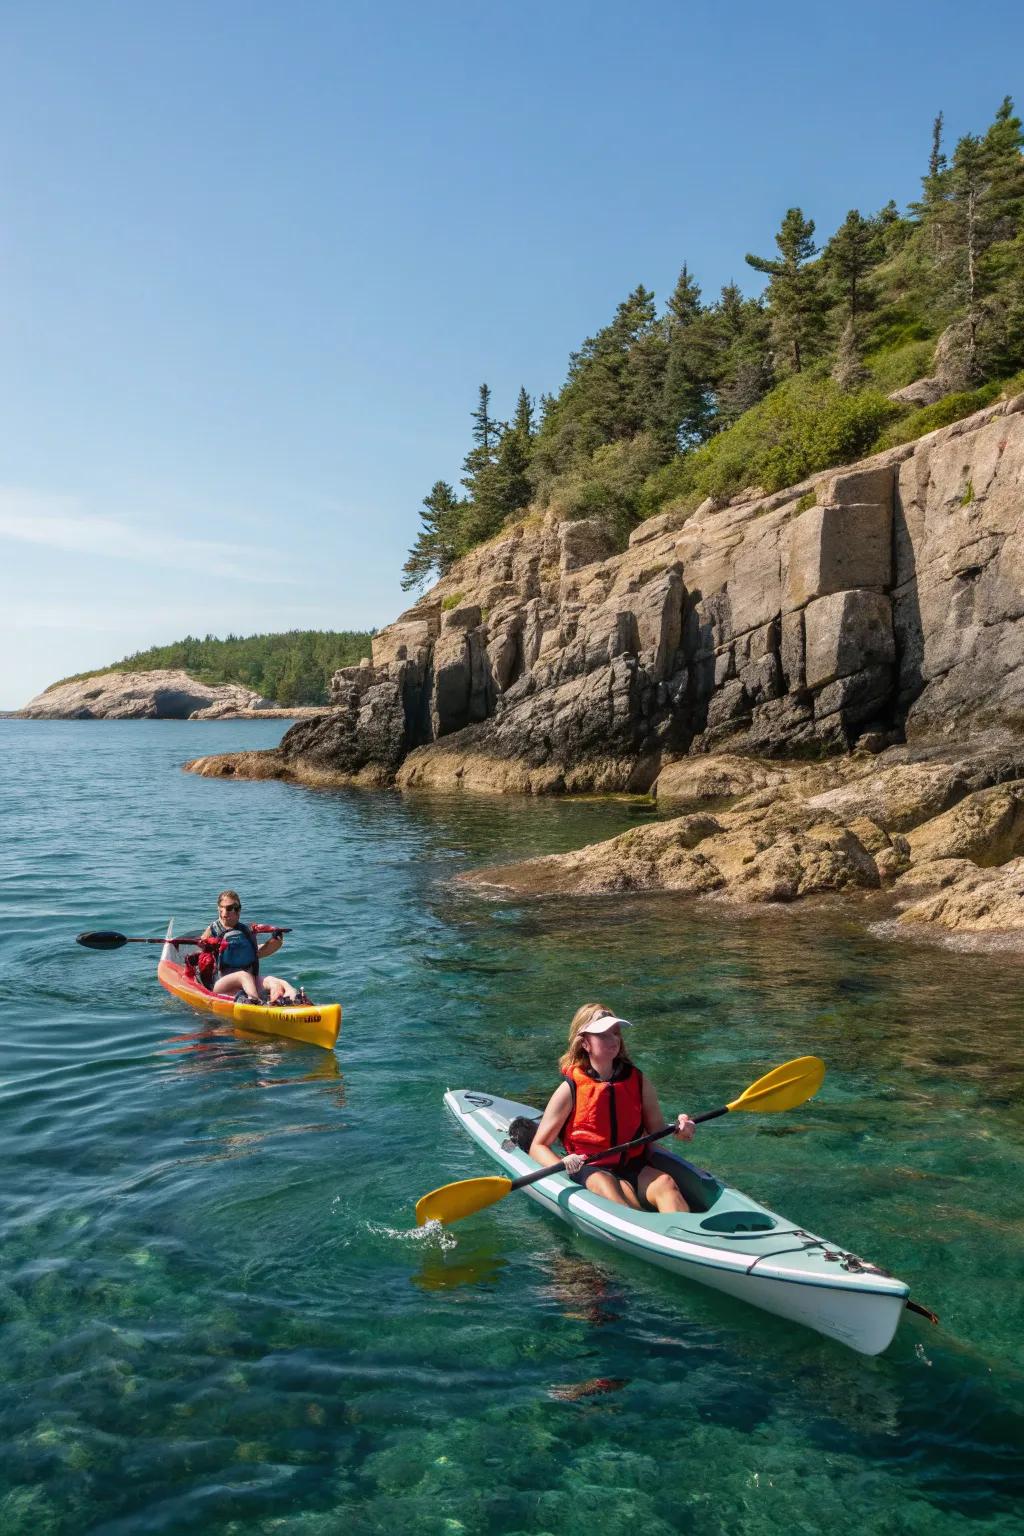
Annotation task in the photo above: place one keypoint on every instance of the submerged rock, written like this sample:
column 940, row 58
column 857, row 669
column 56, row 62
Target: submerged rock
column 572, row 1391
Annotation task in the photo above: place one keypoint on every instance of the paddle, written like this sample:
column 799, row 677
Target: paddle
column 783, row 1088
column 102, row 940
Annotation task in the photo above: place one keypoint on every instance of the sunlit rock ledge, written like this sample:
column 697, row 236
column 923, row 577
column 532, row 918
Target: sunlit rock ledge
column 942, row 837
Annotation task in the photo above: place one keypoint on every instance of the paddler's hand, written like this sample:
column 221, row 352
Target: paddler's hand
column 573, row 1161
column 685, row 1128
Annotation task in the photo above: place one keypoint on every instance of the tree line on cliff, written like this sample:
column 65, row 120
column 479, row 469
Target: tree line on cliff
column 705, row 398
column 291, row 668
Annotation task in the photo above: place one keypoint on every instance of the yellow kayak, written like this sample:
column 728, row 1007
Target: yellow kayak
column 313, row 1023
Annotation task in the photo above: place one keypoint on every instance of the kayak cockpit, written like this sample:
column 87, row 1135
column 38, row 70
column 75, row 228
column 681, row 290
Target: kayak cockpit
column 699, row 1188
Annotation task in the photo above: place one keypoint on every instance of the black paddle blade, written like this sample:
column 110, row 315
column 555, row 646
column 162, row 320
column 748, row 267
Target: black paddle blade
column 101, row 940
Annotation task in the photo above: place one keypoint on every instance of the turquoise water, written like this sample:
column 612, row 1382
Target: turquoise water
column 216, row 1317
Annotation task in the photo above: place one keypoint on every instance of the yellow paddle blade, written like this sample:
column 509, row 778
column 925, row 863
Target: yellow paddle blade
column 784, row 1087
column 453, row 1201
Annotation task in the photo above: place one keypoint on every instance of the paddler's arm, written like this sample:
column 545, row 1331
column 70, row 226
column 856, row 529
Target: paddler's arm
column 271, row 947
column 552, row 1120
column 654, row 1120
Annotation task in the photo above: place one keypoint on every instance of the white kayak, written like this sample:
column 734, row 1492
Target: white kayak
column 726, row 1240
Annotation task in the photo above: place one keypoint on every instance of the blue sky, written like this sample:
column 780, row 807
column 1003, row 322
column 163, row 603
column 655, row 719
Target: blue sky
column 256, row 258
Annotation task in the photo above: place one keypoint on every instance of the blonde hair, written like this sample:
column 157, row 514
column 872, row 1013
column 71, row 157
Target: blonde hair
column 576, row 1052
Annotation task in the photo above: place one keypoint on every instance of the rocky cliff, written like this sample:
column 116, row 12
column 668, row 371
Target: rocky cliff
column 867, row 606
column 826, row 684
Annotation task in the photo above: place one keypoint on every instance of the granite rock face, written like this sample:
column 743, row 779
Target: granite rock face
column 890, row 609
column 159, row 695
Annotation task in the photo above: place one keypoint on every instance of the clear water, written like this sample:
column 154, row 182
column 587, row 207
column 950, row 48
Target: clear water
column 216, row 1318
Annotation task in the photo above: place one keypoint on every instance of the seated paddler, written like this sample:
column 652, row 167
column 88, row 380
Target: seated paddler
column 237, row 956
column 603, row 1101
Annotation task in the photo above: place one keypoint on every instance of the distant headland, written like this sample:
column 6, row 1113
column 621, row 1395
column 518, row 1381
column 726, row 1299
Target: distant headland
column 284, row 675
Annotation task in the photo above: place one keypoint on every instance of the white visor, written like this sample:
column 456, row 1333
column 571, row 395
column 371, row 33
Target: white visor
column 602, row 1025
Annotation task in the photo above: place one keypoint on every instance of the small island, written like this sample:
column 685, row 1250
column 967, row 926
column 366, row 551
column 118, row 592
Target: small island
column 241, row 677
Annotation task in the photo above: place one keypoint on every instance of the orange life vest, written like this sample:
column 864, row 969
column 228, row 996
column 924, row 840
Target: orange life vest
column 604, row 1114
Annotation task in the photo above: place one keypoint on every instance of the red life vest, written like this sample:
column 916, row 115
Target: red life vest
column 604, row 1114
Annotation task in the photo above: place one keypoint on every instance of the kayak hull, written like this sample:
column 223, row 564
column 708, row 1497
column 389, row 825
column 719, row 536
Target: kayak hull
column 313, row 1024
column 727, row 1241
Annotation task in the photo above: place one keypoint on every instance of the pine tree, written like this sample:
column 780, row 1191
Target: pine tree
column 483, row 513
column 936, row 160
column 684, row 304
column 438, row 541
column 972, row 213
column 690, row 370
column 1004, row 163
column 744, row 340
column 793, row 292
column 614, row 390
column 513, row 463
column 849, row 256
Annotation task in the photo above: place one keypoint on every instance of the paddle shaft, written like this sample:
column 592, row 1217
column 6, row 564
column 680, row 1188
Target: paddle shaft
column 106, row 940
column 625, row 1146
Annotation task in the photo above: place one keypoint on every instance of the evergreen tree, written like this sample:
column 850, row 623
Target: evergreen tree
column 438, row 541
column 971, row 213
column 936, row 160
column 849, row 256
column 745, row 372
column 793, row 292
column 690, row 369
column 684, row 304
column 1004, row 163
column 485, row 441
column 614, row 390
column 512, row 466
column 483, row 512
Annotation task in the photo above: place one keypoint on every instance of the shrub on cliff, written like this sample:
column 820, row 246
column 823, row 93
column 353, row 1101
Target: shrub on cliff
column 608, row 486
column 804, row 425
column 945, row 411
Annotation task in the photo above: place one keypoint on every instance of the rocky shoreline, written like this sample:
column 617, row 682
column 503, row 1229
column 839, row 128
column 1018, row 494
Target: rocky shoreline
column 939, row 833
column 829, row 681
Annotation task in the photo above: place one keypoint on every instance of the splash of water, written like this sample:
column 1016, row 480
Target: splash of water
column 432, row 1233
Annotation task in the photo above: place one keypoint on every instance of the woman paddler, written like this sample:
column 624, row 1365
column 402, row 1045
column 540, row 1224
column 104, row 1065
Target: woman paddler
column 606, row 1100
column 238, row 957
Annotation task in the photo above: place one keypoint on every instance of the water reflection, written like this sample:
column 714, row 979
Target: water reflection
column 448, row 1270
column 218, row 1047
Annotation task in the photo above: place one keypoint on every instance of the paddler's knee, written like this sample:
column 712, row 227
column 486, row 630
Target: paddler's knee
column 664, row 1192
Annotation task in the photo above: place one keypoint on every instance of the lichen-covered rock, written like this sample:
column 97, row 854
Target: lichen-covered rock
column 758, row 853
column 898, row 797
column 986, row 827
column 712, row 778
column 979, row 901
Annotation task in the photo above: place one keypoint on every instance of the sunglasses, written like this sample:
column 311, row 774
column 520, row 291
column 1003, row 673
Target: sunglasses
column 232, row 906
